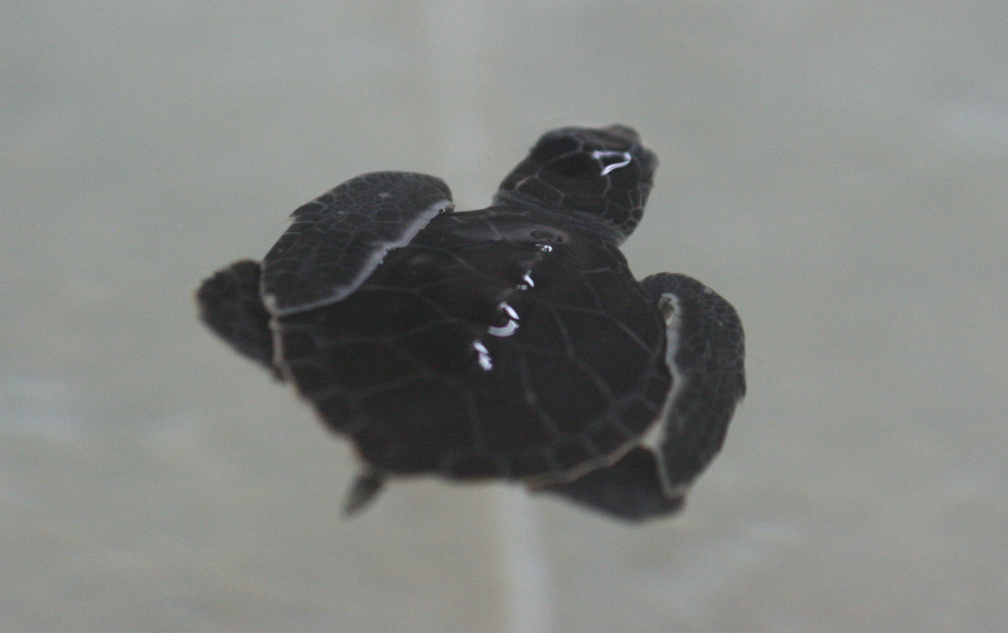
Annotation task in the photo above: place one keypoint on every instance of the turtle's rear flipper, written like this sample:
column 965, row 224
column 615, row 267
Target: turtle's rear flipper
column 231, row 306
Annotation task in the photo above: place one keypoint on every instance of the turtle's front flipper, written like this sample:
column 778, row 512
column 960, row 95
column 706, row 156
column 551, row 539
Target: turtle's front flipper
column 230, row 306
column 705, row 354
column 336, row 241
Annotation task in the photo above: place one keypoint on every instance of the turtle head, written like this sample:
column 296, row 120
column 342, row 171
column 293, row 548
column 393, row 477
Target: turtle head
column 601, row 176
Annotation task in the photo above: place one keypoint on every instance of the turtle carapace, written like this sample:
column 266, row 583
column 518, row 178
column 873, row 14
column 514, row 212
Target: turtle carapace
column 510, row 342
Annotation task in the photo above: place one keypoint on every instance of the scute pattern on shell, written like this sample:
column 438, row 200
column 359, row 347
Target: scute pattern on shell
column 508, row 342
column 410, row 367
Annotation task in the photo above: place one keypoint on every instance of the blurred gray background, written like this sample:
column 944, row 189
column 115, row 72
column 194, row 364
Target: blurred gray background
column 838, row 170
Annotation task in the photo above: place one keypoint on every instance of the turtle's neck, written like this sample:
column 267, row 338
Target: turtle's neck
column 580, row 220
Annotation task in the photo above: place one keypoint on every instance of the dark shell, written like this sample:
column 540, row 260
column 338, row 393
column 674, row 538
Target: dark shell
column 498, row 343
column 510, row 342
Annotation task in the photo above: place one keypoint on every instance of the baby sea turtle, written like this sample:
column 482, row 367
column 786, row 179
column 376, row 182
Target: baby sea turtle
column 510, row 342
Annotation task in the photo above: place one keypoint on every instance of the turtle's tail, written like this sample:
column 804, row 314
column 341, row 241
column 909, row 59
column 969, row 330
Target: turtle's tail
column 365, row 488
